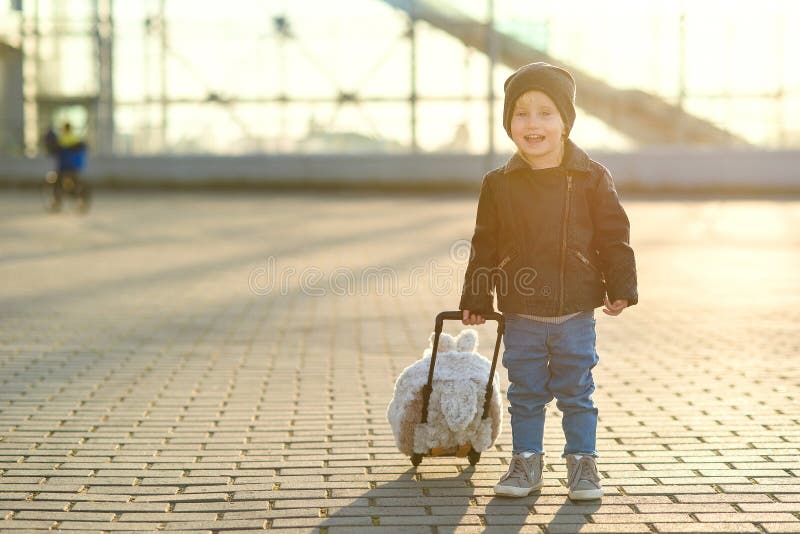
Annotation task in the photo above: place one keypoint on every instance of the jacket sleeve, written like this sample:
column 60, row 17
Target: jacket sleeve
column 477, row 294
column 612, row 241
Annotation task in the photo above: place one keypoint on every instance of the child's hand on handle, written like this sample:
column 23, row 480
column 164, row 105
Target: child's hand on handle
column 474, row 318
column 616, row 308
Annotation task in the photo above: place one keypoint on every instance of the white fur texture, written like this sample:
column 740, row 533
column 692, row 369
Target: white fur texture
column 456, row 403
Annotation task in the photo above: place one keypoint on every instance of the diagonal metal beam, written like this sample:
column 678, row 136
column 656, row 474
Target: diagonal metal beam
column 646, row 118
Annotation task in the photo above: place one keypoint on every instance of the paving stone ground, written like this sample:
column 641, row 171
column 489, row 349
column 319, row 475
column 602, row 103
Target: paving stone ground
column 156, row 373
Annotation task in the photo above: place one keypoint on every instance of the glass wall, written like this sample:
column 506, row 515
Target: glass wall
column 248, row 76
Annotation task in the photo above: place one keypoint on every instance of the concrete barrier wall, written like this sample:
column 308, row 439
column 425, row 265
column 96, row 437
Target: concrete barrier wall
column 653, row 169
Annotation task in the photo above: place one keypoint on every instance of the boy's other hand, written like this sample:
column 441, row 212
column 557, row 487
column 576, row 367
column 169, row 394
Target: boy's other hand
column 616, row 308
column 472, row 318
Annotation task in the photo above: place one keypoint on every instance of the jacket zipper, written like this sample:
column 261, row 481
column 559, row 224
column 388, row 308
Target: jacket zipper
column 585, row 260
column 564, row 243
column 508, row 258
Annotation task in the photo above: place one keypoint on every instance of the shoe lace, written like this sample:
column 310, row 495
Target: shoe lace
column 585, row 465
column 518, row 469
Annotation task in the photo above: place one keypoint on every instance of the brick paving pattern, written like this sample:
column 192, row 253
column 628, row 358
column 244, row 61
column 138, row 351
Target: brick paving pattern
column 155, row 376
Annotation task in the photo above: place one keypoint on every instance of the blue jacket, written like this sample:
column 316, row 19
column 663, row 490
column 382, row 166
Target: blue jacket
column 72, row 158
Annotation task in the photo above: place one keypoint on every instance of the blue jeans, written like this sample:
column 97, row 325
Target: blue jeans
column 547, row 361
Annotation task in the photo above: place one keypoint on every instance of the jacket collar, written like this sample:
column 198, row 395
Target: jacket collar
column 575, row 159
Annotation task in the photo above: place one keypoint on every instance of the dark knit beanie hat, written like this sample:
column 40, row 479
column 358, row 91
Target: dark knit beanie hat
column 554, row 81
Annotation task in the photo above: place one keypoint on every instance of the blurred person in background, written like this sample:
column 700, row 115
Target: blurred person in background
column 69, row 151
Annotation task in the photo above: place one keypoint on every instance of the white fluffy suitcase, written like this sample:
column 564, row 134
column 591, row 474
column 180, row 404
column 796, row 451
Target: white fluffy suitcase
column 448, row 403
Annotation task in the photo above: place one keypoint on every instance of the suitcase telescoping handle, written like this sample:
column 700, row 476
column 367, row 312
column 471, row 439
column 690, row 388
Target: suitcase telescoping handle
column 427, row 389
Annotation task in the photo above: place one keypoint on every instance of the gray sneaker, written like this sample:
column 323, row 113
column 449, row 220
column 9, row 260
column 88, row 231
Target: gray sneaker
column 583, row 479
column 524, row 476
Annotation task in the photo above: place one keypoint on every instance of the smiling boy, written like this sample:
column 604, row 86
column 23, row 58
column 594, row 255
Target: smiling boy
column 551, row 213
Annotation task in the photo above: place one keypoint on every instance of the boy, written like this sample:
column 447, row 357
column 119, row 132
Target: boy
column 553, row 239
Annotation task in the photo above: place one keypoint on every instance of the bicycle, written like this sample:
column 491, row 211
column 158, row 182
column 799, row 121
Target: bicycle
column 58, row 185
column 66, row 182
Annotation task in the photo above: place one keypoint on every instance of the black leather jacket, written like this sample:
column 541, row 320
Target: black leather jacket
column 552, row 246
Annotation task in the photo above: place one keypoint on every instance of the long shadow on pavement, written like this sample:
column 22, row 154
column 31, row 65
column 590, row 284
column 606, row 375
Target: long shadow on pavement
column 412, row 501
column 409, row 503
column 514, row 514
column 570, row 517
